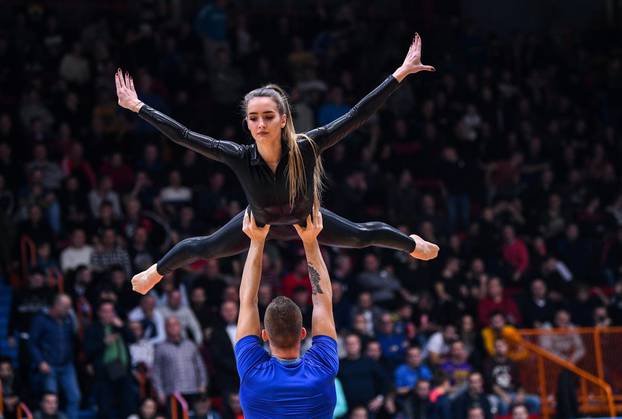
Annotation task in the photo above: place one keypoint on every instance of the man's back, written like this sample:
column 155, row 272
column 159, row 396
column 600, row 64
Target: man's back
column 273, row 388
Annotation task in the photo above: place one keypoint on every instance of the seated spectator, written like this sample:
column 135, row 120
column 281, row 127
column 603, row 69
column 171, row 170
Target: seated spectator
column 48, row 409
column 502, row 377
column 299, row 277
column 499, row 329
column 371, row 313
column 520, row 411
column 496, row 301
column 110, row 253
column 383, row 286
column 475, row 412
column 474, row 396
column 11, row 388
column 148, row 410
column 416, row 404
column 178, row 366
column 341, row 306
column 106, row 347
column 373, row 350
column 364, row 382
column 538, row 309
column 515, row 253
column 393, row 343
column 359, row 412
column 78, row 253
column 52, row 337
column 457, row 367
column 437, row 348
column 151, row 319
column 202, row 409
column 186, row 317
column 104, row 193
column 408, row 374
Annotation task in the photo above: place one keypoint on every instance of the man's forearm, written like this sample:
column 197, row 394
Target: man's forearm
column 318, row 273
column 252, row 273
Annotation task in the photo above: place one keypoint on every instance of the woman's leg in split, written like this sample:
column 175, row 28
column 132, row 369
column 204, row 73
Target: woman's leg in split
column 229, row 240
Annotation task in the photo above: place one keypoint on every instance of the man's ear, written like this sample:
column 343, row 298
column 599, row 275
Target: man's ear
column 303, row 333
column 264, row 335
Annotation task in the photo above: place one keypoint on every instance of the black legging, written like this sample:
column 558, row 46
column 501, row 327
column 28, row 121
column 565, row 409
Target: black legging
column 230, row 240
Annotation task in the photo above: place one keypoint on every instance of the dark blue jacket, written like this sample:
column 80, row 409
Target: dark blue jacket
column 51, row 341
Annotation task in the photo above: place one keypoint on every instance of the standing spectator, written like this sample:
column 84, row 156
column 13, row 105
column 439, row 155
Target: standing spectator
column 186, row 317
column 110, row 253
column 48, row 409
column 178, row 366
column 502, row 377
column 25, row 305
column 141, row 349
column 78, row 253
column 52, row 336
column 496, row 301
column 362, row 379
column 222, row 343
column 106, row 347
column 568, row 345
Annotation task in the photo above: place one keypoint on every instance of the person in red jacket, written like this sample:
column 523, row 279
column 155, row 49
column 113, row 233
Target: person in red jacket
column 515, row 252
column 496, row 301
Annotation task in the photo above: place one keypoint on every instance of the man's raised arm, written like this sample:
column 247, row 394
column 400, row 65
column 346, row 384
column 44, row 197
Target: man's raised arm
column 323, row 322
column 248, row 320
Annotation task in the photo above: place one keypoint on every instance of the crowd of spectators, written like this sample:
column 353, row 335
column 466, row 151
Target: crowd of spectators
column 508, row 157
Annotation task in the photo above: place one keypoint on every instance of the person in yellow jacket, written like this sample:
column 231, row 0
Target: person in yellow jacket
column 498, row 328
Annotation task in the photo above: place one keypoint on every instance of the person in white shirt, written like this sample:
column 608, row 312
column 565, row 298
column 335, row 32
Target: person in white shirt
column 77, row 253
column 186, row 317
column 151, row 319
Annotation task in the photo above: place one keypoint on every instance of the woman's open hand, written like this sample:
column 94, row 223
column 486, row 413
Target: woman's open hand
column 126, row 93
column 412, row 63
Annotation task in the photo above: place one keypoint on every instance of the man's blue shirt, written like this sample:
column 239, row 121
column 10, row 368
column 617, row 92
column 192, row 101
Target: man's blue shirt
column 270, row 388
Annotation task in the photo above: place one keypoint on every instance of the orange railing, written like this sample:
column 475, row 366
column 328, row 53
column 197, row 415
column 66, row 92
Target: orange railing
column 22, row 410
column 177, row 399
column 597, row 368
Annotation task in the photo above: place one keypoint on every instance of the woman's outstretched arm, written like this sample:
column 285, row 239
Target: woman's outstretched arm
column 202, row 144
column 330, row 134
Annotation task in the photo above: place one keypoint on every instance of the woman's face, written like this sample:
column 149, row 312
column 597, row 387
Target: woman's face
column 264, row 120
column 148, row 409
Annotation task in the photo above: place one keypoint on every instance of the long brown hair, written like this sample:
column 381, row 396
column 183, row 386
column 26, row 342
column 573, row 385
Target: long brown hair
column 295, row 172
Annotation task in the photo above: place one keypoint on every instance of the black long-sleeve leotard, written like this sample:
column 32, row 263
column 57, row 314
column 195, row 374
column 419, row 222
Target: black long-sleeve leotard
column 268, row 192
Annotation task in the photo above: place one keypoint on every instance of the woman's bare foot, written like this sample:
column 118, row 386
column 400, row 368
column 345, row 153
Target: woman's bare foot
column 144, row 281
column 424, row 250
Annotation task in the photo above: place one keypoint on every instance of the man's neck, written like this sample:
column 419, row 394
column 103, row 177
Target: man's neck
column 286, row 354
